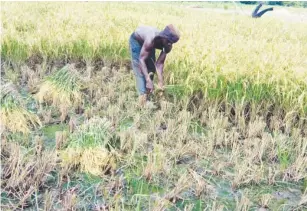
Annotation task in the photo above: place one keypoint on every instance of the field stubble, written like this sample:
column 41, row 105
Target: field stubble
column 204, row 154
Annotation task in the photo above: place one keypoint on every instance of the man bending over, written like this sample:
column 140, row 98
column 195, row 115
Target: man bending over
column 143, row 42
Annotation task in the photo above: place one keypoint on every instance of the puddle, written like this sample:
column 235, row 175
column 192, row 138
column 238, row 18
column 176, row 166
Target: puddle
column 49, row 134
column 125, row 124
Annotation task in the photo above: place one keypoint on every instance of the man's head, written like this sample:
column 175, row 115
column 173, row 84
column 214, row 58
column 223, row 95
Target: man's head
column 170, row 33
column 167, row 37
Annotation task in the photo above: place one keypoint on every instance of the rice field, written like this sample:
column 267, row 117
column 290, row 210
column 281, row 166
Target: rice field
column 229, row 132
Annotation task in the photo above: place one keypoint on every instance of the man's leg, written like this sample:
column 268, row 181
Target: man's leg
column 135, row 49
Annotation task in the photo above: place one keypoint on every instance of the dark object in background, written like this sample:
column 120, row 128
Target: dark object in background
column 255, row 13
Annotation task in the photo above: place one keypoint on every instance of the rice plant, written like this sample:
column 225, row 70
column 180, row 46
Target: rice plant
column 62, row 89
column 95, row 160
column 89, row 146
column 15, row 117
column 93, row 132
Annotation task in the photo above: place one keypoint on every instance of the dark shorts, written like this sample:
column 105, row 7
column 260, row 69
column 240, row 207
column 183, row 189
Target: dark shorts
column 135, row 50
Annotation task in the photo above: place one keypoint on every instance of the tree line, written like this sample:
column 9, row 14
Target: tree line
column 280, row 3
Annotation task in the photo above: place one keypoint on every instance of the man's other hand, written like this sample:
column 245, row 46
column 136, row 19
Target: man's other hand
column 161, row 86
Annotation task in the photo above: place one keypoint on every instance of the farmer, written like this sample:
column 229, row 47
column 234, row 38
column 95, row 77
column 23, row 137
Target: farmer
column 255, row 13
column 143, row 42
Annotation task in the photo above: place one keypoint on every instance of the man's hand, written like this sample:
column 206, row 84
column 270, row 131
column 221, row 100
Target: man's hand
column 161, row 86
column 149, row 85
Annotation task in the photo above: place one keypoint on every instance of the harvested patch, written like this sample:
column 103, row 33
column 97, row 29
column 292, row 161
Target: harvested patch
column 24, row 172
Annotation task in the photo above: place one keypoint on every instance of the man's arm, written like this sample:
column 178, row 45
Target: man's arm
column 145, row 51
column 160, row 67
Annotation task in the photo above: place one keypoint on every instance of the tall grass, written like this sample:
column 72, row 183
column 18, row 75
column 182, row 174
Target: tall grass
column 227, row 57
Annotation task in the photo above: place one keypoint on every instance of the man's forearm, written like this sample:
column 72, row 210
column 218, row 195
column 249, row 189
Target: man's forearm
column 160, row 77
column 144, row 70
column 160, row 73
